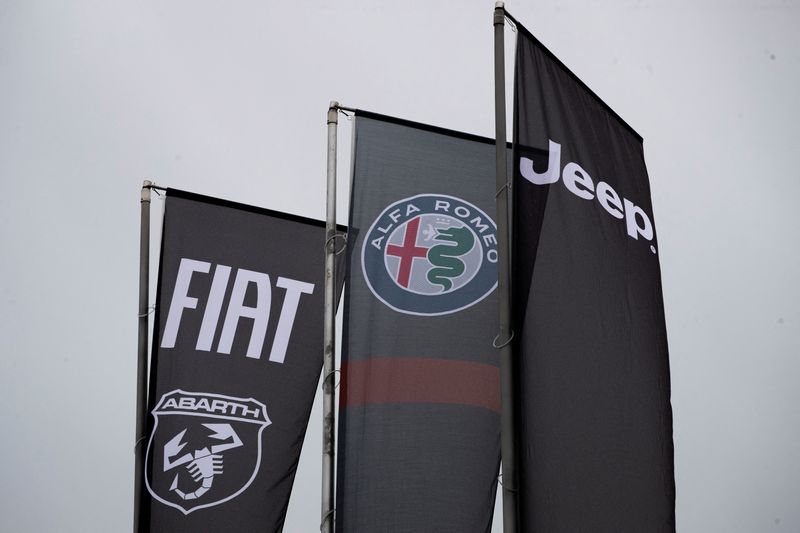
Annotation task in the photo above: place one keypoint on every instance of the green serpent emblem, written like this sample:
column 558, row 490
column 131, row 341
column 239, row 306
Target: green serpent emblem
column 444, row 256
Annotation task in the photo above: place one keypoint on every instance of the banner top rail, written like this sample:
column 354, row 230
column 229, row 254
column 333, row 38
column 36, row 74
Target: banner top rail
column 422, row 126
column 178, row 193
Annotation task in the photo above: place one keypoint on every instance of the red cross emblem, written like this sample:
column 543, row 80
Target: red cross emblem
column 407, row 252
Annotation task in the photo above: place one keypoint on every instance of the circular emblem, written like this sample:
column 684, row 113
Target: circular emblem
column 431, row 254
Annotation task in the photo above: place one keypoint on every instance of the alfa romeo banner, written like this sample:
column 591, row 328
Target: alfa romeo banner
column 596, row 423
column 237, row 353
column 419, row 446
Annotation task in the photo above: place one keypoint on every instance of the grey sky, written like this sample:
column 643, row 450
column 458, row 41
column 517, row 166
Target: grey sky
column 229, row 99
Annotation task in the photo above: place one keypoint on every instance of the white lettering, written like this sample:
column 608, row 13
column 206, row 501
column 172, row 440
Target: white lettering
column 258, row 310
column 237, row 310
column 202, row 403
column 213, row 405
column 294, row 289
column 181, row 299
column 573, row 175
column 480, row 227
column 634, row 229
column 609, row 199
column 442, row 205
column 186, row 403
column 218, row 406
column 580, row 183
column 250, row 412
column 553, row 167
column 211, row 317
column 462, row 212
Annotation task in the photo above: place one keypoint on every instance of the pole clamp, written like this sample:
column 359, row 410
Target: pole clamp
column 333, row 238
column 506, row 187
column 325, row 518
column 138, row 442
column 146, row 188
column 509, row 488
column 333, row 112
column 329, row 375
column 505, row 343
column 499, row 13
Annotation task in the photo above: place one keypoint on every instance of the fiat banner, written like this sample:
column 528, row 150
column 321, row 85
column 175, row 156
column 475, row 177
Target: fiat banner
column 237, row 353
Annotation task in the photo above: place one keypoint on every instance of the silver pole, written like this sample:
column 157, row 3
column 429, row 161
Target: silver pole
column 507, row 436
column 141, row 370
column 328, row 380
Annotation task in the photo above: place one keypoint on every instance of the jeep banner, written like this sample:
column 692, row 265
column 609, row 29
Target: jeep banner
column 593, row 372
column 419, row 445
column 237, row 353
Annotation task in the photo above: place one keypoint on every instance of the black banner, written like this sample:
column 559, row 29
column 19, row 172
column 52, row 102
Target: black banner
column 419, row 446
column 237, row 353
column 595, row 418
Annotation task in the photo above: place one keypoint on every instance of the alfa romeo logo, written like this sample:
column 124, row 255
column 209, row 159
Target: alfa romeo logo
column 205, row 448
column 431, row 254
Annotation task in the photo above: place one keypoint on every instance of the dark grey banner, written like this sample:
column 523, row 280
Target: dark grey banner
column 237, row 353
column 595, row 417
column 419, row 447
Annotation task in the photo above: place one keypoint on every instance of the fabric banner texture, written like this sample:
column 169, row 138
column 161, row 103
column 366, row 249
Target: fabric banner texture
column 237, row 354
column 596, row 449
column 419, row 446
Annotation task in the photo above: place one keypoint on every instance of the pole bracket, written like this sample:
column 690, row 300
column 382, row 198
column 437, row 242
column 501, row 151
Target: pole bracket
column 147, row 187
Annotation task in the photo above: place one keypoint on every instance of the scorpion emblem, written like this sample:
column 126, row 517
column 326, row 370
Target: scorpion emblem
column 203, row 464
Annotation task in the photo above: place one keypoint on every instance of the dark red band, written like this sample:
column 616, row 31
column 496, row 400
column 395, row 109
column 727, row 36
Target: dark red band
column 419, row 380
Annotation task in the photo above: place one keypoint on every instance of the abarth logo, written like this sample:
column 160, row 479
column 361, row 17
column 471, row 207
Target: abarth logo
column 205, row 449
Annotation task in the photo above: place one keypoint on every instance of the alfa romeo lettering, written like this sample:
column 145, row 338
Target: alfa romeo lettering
column 431, row 254
column 205, row 449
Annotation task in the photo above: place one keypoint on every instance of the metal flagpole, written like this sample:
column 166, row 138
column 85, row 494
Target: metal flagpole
column 328, row 388
column 141, row 370
column 503, row 340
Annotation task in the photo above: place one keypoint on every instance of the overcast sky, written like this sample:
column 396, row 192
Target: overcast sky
column 229, row 98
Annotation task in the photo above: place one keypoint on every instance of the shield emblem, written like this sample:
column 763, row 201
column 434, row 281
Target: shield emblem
column 204, row 450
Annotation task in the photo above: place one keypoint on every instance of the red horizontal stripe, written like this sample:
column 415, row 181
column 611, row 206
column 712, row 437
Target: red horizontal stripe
column 380, row 380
